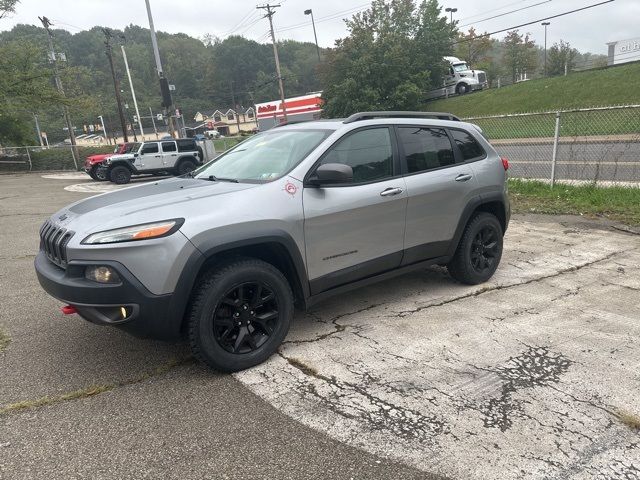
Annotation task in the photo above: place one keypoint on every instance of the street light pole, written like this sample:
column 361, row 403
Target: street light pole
column 545, row 24
column 133, row 93
column 313, row 22
column 104, row 129
column 451, row 12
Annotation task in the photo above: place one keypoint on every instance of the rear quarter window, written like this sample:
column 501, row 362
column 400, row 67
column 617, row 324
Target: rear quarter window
column 186, row 145
column 468, row 145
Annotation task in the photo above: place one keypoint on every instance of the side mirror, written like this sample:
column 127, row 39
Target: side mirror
column 135, row 154
column 332, row 173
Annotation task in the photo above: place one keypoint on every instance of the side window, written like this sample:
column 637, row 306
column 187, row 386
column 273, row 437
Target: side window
column 426, row 148
column 168, row 147
column 468, row 145
column 367, row 152
column 150, row 148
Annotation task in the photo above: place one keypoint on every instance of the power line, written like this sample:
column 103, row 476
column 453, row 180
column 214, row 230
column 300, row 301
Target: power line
column 463, row 40
column 493, row 10
column 506, row 13
column 326, row 18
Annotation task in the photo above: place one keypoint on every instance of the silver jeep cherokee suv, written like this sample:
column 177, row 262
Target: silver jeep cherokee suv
column 289, row 216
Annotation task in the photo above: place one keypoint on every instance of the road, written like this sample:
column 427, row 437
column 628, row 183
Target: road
column 533, row 375
column 584, row 161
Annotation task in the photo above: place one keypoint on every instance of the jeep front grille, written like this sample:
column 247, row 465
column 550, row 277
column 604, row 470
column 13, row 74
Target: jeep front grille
column 482, row 78
column 53, row 242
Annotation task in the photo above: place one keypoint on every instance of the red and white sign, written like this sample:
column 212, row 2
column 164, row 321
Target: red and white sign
column 295, row 105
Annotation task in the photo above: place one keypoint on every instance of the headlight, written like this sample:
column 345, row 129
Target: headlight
column 135, row 232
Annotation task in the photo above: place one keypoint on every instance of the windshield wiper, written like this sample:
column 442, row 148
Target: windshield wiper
column 213, row 178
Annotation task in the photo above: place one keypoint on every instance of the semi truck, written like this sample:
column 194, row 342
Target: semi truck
column 460, row 79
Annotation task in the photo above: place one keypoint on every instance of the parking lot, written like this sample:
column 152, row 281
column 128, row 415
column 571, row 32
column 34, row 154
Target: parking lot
column 532, row 375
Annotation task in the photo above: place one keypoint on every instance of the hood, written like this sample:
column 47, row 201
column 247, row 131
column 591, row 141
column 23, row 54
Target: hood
column 171, row 198
column 121, row 156
column 99, row 157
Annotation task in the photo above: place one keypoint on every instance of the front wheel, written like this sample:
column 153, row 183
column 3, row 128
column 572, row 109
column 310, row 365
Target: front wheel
column 99, row 173
column 239, row 315
column 479, row 251
column 120, row 175
column 461, row 89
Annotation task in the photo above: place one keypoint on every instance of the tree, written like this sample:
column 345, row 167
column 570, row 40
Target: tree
column 520, row 55
column 7, row 6
column 472, row 47
column 390, row 59
column 559, row 57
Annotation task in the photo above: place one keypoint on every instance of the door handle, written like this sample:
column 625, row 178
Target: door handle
column 157, row 156
column 390, row 191
column 463, row 177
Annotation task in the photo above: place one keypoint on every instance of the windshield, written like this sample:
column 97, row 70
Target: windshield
column 460, row 67
column 132, row 147
column 264, row 157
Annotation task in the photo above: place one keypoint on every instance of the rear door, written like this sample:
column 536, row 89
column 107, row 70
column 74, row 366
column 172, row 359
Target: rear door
column 356, row 230
column 169, row 154
column 440, row 182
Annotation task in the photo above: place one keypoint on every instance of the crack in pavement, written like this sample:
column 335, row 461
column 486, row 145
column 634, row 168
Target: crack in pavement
column 353, row 401
column 492, row 288
column 91, row 390
column 338, row 327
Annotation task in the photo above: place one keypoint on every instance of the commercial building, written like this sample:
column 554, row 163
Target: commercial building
column 623, row 51
column 299, row 109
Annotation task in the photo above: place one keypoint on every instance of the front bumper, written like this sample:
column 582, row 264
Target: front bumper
column 148, row 315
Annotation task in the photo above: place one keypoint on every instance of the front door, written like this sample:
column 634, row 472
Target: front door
column 150, row 157
column 356, row 230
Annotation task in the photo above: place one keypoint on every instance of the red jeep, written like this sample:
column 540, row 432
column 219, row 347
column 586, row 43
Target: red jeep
column 94, row 164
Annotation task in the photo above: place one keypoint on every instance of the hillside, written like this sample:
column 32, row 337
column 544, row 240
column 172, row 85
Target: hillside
column 609, row 86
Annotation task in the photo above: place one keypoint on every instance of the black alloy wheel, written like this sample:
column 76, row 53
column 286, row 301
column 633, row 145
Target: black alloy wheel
column 479, row 251
column 245, row 317
column 484, row 249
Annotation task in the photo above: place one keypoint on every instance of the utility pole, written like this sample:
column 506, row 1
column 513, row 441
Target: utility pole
column 116, row 83
column 270, row 11
column 133, row 93
column 65, row 111
column 164, row 83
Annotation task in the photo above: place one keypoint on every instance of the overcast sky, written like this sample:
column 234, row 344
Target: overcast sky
column 588, row 30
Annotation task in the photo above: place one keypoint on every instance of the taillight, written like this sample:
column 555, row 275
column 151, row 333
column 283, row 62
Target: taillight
column 505, row 163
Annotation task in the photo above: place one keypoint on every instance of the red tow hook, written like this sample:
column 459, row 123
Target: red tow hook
column 69, row 310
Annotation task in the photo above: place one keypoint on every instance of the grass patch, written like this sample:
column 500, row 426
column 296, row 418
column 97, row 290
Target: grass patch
column 631, row 420
column 608, row 86
column 4, row 340
column 91, row 390
column 224, row 144
column 615, row 203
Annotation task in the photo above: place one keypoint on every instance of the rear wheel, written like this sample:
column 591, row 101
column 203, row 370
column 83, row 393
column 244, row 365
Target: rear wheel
column 479, row 251
column 120, row 175
column 240, row 314
column 185, row 167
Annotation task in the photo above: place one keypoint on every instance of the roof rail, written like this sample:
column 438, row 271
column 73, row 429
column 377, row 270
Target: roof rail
column 400, row 114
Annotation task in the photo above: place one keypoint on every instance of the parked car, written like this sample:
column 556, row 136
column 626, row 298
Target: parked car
column 94, row 164
column 289, row 217
column 176, row 157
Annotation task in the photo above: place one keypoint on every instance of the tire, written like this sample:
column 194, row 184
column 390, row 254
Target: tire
column 92, row 173
column 218, row 315
column 100, row 173
column 479, row 251
column 120, row 175
column 186, row 166
column 461, row 89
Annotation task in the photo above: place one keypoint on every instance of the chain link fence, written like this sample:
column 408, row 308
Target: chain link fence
column 64, row 157
column 580, row 146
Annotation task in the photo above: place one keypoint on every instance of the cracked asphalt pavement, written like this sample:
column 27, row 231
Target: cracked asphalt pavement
column 532, row 375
